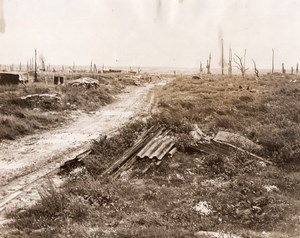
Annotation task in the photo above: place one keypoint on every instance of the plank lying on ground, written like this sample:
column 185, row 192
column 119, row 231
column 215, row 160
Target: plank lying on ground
column 245, row 151
column 78, row 160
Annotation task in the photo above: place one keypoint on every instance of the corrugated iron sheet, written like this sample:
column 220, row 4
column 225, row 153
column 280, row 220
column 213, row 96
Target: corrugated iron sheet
column 157, row 148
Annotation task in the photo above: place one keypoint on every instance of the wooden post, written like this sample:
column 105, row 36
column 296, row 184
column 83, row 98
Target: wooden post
column 272, row 61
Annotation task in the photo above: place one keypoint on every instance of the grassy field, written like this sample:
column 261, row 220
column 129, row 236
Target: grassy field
column 190, row 192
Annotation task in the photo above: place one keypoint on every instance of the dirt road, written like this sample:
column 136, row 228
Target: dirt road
column 27, row 159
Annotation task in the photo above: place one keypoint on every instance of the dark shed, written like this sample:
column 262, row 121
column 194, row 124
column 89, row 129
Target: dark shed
column 7, row 78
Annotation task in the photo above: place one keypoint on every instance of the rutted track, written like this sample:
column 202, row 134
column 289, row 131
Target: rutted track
column 27, row 160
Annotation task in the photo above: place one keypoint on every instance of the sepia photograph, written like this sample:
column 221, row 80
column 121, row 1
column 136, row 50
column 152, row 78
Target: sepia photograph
column 149, row 118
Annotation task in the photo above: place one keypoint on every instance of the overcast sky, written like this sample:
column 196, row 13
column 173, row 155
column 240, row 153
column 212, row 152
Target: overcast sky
column 167, row 33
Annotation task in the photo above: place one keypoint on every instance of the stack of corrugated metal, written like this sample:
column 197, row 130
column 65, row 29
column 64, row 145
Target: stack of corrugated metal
column 154, row 145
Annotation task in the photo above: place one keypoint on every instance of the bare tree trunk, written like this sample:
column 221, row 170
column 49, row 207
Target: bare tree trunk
column 35, row 67
column 201, row 68
column 292, row 70
column 222, row 58
column 282, row 68
column 208, row 64
column 272, row 61
column 241, row 64
column 297, row 68
column 230, row 63
column 255, row 70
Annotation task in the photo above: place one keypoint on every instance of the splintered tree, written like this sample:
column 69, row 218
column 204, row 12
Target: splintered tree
column 230, row 63
column 201, row 68
column 208, row 64
column 222, row 57
column 35, row 66
column 283, row 69
column 297, row 68
column 240, row 64
column 42, row 60
column 91, row 67
column 256, row 71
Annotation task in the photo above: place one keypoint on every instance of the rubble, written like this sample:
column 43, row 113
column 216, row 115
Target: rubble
column 84, row 82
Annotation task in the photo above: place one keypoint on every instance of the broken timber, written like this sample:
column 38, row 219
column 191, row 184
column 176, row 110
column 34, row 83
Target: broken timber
column 245, row 151
column 224, row 148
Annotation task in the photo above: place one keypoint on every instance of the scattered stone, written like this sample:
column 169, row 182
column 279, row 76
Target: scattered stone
column 203, row 208
column 271, row 188
column 213, row 234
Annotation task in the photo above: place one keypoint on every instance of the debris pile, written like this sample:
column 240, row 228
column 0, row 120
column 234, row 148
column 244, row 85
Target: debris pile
column 84, row 82
column 223, row 143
